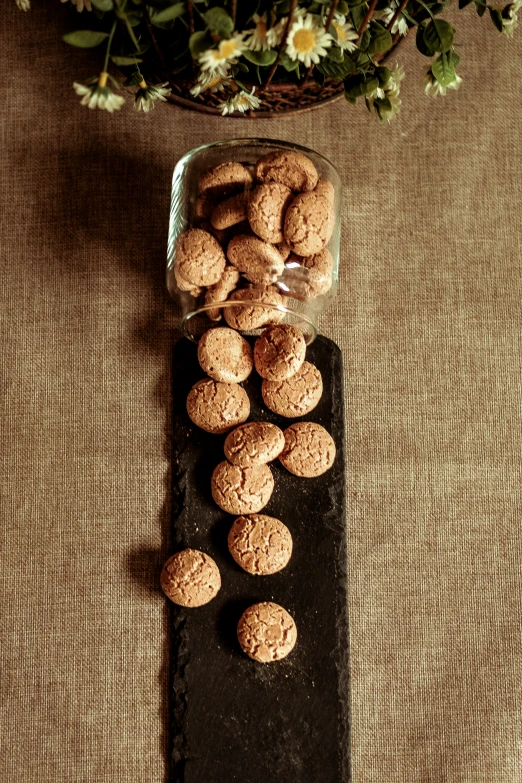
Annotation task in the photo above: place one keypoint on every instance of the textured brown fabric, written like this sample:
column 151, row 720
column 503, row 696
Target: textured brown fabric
column 429, row 320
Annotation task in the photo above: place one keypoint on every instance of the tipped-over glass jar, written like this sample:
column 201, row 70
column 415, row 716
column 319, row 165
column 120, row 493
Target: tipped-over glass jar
column 254, row 236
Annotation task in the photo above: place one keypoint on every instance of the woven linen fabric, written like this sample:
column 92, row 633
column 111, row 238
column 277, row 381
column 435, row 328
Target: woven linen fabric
column 428, row 317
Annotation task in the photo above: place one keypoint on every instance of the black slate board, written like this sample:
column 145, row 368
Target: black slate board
column 235, row 719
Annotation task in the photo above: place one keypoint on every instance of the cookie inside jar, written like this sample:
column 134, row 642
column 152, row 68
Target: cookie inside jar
column 254, row 237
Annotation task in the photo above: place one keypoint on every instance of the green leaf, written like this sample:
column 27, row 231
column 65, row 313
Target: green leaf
column 336, row 70
column 443, row 69
column 464, row 3
column 198, row 42
column 342, row 7
column 496, row 18
column 219, row 22
column 381, row 39
column 383, row 74
column 365, row 40
column 354, row 3
column 168, row 14
column 421, row 43
column 103, row 5
column 480, row 8
column 117, row 60
column 85, row 39
column 358, row 15
column 383, row 103
column 438, row 35
column 133, row 79
column 288, row 64
column 335, row 54
column 360, row 84
column 267, row 57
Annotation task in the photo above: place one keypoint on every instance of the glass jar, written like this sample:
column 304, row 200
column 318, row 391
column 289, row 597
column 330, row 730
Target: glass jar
column 295, row 295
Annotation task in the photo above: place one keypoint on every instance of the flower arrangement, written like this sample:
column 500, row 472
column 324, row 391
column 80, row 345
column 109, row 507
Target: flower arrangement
column 234, row 55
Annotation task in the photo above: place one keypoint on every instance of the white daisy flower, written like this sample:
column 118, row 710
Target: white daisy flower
column 241, row 101
column 210, row 82
column 216, row 60
column 433, row 87
column 400, row 25
column 510, row 21
column 81, row 4
column 391, row 92
column 98, row 95
column 23, row 5
column 147, row 95
column 307, row 42
column 257, row 37
column 346, row 35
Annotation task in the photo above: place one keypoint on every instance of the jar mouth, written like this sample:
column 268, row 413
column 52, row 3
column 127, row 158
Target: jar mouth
column 196, row 322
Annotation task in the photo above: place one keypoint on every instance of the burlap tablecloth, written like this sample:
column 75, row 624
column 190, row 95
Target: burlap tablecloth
column 429, row 321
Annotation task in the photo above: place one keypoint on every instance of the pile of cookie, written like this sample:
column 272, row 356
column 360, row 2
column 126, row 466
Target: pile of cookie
column 243, row 482
column 258, row 233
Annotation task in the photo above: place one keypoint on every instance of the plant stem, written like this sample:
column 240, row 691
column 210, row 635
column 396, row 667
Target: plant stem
column 397, row 13
column 366, row 20
column 283, row 41
column 109, row 44
column 327, row 24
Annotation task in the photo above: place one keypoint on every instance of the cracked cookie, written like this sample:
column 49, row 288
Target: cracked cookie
column 245, row 317
column 217, row 407
column 309, row 449
column 190, row 578
column 259, row 544
column 266, row 210
column 279, row 352
column 266, row 632
column 290, row 168
column 230, row 212
column 220, row 291
column 241, row 490
column 259, row 261
column 225, row 355
column 320, row 268
column 199, row 257
column 254, row 443
column 309, row 222
column 295, row 396
column 224, row 180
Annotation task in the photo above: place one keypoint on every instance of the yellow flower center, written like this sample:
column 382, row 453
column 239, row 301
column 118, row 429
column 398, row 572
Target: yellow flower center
column 261, row 30
column 226, row 49
column 304, row 41
column 341, row 34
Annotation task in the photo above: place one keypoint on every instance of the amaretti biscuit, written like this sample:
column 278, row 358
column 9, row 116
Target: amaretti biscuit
column 230, row 212
column 217, row 407
column 254, row 443
column 184, row 285
column 219, row 291
column 251, row 316
column 266, row 632
column 259, row 261
column 199, row 258
column 225, row 355
column 266, row 210
column 295, row 396
column 260, row 544
column 190, row 578
column 309, row 223
column 289, row 167
column 309, row 449
column 241, row 490
column 225, row 179
column 279, row 352
column 318, row 280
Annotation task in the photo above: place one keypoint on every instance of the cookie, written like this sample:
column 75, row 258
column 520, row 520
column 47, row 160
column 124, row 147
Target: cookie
column 254, row 443
column 259, row 261
column 259, row 544
column 184, row 285
column 219, row 291
column 200, row 259
column 288, row 167
column 266, row 210
column 296, row 396
column 203, row 207
column 241, row 490
column 190, row 578
column 225, row 180
column 279, row 352
column 230, row 212
column 318, row 280
column 266, row 632
column 309, row 223
column 225, row 355
column 309, row 449
column 217, row 407
column 284, row 250
column 247, row 317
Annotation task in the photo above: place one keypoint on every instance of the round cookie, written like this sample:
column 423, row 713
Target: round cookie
column 199, row 257
column 254, row 443
column 225, row 355
column 246, row 317
column 309, row 223
column 203, row 207
column 184, row 285
column 224, row 180
column 296, row 396
column 190, row 578
column 230, row 212
column 259, row 544
column 283, row 249
column 220, row 291
column 320, row 269
column 217, row 407
column 279, row 352
column 266, row 210
column 241, row 490
column 266, row 632
column 259, row 261
column 309, row 449
column 288, row 167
